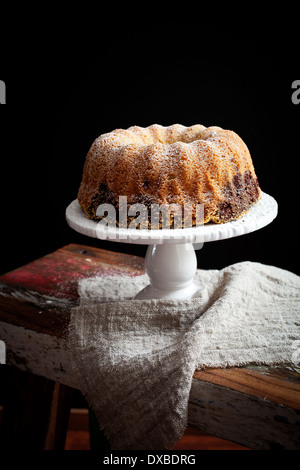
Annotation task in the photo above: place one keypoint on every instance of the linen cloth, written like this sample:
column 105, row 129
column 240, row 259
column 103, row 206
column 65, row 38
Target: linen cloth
column 135, row 358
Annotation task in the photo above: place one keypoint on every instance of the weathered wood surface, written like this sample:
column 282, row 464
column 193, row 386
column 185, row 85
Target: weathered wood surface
column 247, row 419
column 256, row 406
column 39, row 295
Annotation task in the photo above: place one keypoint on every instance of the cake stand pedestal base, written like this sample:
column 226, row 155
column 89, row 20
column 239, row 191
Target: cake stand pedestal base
column 171, row 270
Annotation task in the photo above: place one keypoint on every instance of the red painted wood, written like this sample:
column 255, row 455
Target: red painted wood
column 39, row 295
column 57, row 274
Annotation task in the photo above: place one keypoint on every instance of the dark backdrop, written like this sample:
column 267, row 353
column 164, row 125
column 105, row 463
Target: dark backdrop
column 65, row 89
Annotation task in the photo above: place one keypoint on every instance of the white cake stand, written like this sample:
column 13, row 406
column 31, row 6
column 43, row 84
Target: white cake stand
column 171, row 261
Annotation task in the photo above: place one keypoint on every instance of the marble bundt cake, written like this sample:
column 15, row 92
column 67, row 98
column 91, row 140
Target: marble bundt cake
column 171, row 165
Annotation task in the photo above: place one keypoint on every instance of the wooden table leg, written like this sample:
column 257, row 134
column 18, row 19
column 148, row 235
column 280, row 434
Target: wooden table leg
column 35, row 412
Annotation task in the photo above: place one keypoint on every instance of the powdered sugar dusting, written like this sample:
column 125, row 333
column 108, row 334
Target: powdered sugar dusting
column 175, row 164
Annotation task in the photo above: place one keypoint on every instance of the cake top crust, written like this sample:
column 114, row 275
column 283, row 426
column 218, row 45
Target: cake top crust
column 167, row 164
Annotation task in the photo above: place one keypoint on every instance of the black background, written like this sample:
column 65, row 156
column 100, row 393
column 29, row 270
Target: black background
column 70, row 81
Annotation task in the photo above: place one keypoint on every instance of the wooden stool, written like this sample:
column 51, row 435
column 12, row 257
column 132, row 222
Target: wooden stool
column 255, row 406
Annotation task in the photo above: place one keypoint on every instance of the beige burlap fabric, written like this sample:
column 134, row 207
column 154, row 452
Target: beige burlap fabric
column 135, row 358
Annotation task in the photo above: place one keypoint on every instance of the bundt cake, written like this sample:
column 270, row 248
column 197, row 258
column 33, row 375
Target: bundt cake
column 170, row 165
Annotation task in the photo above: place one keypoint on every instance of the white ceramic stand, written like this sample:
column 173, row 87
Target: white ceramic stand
column 171, row 261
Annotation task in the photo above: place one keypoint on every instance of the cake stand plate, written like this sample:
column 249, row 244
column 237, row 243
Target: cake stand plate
column 171, row 260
